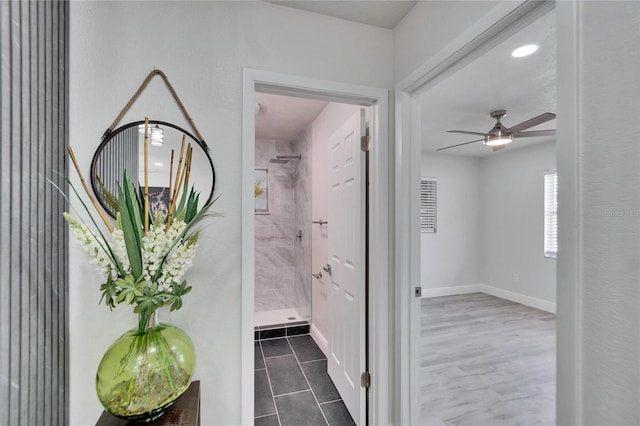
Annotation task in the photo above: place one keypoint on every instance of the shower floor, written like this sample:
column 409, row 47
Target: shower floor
column 278, row 316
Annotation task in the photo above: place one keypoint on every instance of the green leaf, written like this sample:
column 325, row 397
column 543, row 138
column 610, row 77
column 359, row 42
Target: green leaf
column 192, row 206
column 179, row 211
column 149, row 300
column 131, row 226
column 109, row 293
column 129, row 289
column 175, row 297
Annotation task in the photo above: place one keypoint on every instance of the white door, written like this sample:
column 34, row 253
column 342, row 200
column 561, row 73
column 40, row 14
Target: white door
column 347, row 257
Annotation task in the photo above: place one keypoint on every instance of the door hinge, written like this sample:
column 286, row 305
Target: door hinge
column 365, row 379
column 418, row 291
column 365, row 141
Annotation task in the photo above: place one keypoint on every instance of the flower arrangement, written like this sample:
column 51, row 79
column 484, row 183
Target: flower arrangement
column 144, row 258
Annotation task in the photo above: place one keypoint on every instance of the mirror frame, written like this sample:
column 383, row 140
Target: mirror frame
column 109, row 135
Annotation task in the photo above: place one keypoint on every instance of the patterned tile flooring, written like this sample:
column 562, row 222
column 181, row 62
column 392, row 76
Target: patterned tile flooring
column 292, row 386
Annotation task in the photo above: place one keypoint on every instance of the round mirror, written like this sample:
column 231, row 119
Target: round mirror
column 123, row 149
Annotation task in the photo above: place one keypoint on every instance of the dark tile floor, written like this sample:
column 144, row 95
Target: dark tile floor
column 292, row 386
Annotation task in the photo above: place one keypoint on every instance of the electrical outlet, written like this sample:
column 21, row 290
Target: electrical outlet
column 516, row 278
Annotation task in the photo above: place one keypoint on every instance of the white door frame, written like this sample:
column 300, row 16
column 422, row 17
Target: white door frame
column 501, row 22
column 379, row 288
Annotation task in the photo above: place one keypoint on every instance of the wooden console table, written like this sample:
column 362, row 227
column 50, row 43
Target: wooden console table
column 185, row 412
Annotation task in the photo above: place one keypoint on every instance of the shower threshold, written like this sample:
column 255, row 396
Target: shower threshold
column 278, row 316
column 279, row 323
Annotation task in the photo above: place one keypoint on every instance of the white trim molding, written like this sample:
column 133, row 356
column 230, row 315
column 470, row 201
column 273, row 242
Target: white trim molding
column 451, row 290
column 523, row 299
column 320, row 339
column 569, row 268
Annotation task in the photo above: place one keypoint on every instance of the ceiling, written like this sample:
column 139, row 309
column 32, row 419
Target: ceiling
column 525, row 87
column 283, row 117
column 379, row 13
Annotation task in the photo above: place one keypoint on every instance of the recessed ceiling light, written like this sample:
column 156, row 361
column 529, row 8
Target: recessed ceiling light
column 525, row 50
column 158, row 164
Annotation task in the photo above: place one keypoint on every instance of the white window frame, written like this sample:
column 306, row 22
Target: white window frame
column 551, row 214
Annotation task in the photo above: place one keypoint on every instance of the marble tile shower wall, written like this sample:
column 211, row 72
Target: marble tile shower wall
column 281, row 280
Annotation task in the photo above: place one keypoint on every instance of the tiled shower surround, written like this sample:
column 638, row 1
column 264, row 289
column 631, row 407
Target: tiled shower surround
column 283, row 261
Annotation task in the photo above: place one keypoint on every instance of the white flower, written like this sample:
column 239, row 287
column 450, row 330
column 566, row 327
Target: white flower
column 179, row 259
column 119, row 248
column 167, row 252
column 95, row 248
column 166, row 255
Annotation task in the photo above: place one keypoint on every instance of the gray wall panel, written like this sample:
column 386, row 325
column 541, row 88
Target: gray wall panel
column 33, row 235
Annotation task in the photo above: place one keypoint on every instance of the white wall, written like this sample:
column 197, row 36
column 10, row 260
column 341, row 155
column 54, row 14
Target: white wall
column 325, row 124
column 429, row 27
column 512, row 221
column 599, row 222
column 490, row 226
column 450, row 257
column 202, row 47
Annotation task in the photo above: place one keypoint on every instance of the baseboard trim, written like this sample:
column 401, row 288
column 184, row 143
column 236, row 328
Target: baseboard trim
column 452, row 291
column 520, row 298
column 320, row 340
column 493, row 291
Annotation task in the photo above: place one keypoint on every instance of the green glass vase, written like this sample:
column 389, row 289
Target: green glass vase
column 145, row 370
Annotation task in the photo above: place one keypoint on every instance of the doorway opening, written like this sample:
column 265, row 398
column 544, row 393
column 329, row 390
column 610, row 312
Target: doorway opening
column 472, row 179
column 287, row 174
column 281, row 173
column 295, row 313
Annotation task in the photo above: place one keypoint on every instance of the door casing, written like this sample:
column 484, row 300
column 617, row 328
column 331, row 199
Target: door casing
column 379, row 211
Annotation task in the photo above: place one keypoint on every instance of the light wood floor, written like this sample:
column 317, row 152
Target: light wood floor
column 486, row 361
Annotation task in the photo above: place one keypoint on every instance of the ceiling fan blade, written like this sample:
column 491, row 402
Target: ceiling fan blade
column 460, row 144
column 542, row 118
column 464, row 132
column 535, row 133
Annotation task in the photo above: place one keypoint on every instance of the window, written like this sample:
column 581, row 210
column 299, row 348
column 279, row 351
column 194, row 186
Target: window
column 428, row 205
column 551, row 214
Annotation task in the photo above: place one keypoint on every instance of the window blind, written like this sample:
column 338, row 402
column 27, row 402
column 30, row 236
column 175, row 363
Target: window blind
column 551, row 214
column 428, row 205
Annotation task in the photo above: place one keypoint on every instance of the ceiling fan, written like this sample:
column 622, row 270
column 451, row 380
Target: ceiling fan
column 499, row 136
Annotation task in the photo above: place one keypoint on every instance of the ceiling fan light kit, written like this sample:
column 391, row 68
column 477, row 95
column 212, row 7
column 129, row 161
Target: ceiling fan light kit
column 499, row 136
column 498, row 140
